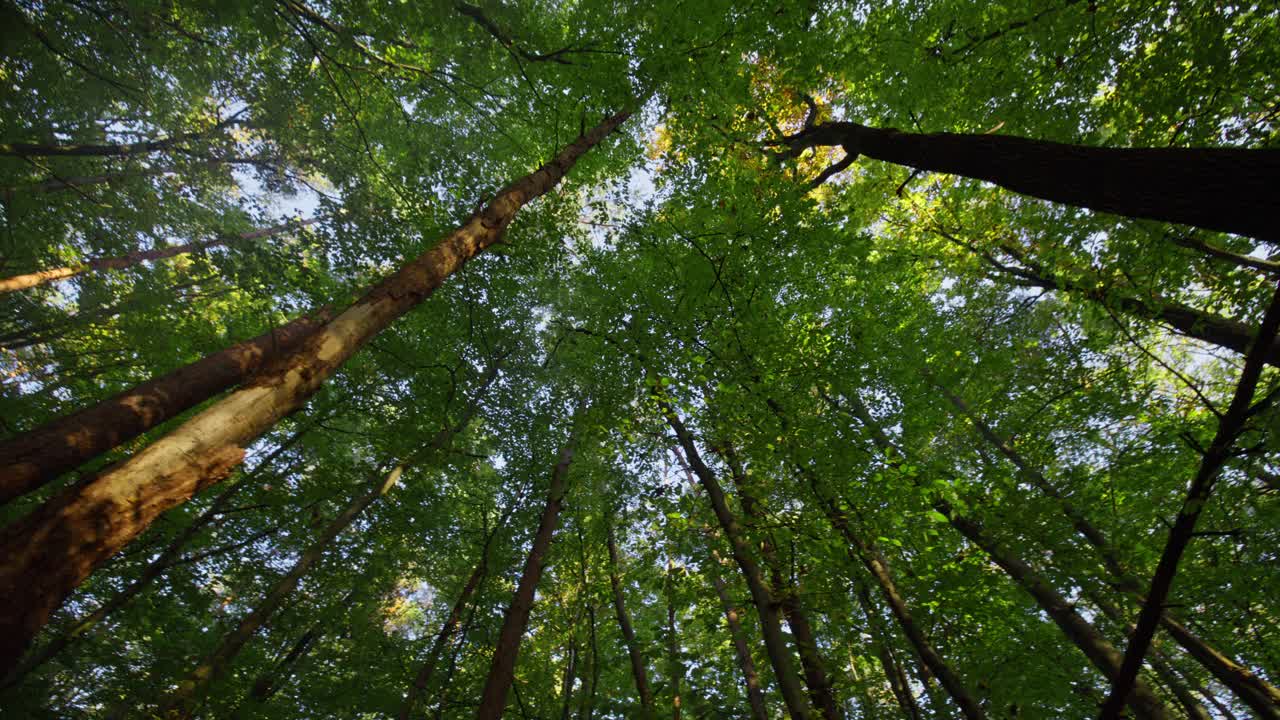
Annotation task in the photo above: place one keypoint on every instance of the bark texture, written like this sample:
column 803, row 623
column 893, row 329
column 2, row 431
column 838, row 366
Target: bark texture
column 493, row 698
column 54, row 549
column 1227, row 189
column 38, row 457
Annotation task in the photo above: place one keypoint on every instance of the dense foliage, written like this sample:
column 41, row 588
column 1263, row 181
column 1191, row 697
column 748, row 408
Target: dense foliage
column 907, row 384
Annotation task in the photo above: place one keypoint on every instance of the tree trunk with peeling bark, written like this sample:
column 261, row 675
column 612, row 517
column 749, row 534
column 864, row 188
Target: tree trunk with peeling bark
column 52, row 550
column 39, row 456
column 493, row 698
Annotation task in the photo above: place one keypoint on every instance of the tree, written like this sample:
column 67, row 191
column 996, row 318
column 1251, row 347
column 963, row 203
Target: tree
column 929, row 348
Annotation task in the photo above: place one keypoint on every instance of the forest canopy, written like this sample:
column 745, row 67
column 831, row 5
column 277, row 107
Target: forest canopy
column 828, row 359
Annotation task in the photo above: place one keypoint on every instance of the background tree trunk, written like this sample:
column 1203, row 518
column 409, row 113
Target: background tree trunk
column 493, row 698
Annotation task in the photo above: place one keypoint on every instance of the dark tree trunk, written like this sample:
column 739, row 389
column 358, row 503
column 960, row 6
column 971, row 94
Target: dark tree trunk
column 587, row 707
column 638, row 671
column 788, row 595
column 589, row 699
column 875, row 564
column 766, row 605
column 450, row 626
column 1252, row 690
column 1227, row 189
column 1231, row 424
column 52, row 550
column 1104, row 656
column 893, row 672
column 38, row 457
column 269, row 682
column 570, row 672
column 493, row 699
column 755, row 693
column 675, row 668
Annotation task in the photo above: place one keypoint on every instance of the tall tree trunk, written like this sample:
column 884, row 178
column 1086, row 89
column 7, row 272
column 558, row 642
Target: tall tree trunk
column 1227, row 189
column 49, row 552
column 451, row 623
column 811, row 662
column 1262, row 697
column 755, row 693
column 447, row 685
column 675, row 668
column 893, row 672
column 42, row 277
column 628, row 634
column 570, row 672
column 269, row 682
column 493, row 698
column 587, row 707
column 182, row 702
column 1194, row 709
column 766, row 606
column 1080, row 632
column 1104, row 656
column 875, row 563
column 157, row 567
column 1231, row 424
column 450, row 626
column 39, row 456
column 589, row 697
